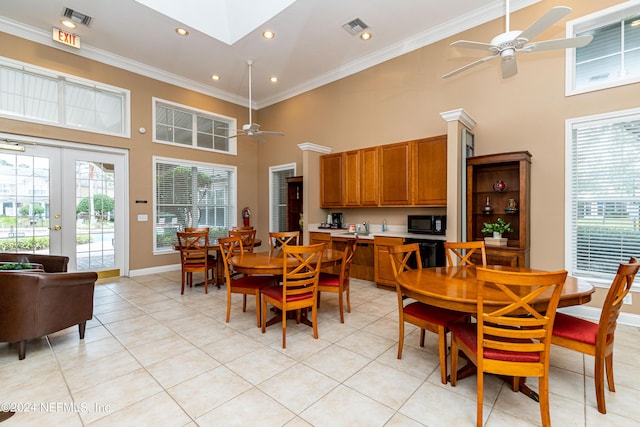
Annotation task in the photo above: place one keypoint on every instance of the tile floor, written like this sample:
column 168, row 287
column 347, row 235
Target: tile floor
column 152, row 357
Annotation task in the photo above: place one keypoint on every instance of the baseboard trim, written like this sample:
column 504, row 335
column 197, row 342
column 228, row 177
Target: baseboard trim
column 154, row 270
column 593, row 313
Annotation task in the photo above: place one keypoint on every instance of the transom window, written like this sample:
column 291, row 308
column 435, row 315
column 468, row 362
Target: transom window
column 192, row 194
column 613, row 56
column 39, row 95
column 181, row 125
column 603, row 193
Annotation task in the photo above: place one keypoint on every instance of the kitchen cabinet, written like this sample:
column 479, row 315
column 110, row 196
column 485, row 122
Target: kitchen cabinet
column 331, row 180
column 395, row 174
column 294, row 203
column 369, row 177
column 430, row 171
column 362, row 263
column 352, row 170
column 384, row 276
column 495, row 184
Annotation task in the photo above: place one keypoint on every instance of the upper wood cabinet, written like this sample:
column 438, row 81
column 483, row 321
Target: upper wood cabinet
column 352, row 169
column 430, row 171
column 370, row 195
column 411, row 173
column 331, row 180
column 395, row 174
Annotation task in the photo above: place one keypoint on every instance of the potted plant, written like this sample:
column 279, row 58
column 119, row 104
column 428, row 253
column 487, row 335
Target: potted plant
column 497, row 228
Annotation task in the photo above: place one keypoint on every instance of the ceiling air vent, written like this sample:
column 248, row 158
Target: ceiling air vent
column 355, row 27
column 77, row 17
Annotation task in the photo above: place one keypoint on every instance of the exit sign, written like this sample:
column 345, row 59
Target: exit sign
column 64, row 37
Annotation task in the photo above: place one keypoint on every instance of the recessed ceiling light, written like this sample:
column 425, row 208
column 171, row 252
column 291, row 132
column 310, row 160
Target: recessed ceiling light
column 268, row 34
column 68, row 23
column 273, row 79
column 182, row 32
column 215, row 77
column 365, row 36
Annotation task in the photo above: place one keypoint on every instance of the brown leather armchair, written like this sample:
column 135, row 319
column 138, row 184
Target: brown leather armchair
column 34, row 304
column 50, row 263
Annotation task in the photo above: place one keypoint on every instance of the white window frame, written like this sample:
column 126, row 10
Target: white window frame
column 63, row 78
column 195, row 112
column 272, row 170
column 190, row 163
column 570, row 124
column 596, row 20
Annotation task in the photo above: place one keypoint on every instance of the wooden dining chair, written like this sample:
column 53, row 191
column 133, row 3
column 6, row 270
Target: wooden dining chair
column 460, row 253
column 339, row 283
column 512, row 336
column 424, row 316
column 299, row 289
column 196, row 229
column 248, row 238
column 279, row 239
column 245, row 285
column 242, row 227
column 596, row 339
column 194, row 257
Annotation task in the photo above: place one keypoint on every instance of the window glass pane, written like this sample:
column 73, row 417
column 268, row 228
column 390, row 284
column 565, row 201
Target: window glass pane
column 605, row 191
column 190, row 195
column 279, row 199
column 189, row 128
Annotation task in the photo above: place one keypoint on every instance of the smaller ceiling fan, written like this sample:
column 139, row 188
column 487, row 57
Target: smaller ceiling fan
column 506, row 45
column 251, row 129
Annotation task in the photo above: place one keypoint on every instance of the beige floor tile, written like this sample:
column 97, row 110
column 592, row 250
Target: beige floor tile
column 257, row 367
column 182, row 367
column 337, row 362
column 90, row 372
column 344, row 406
column 298, row 387
column 115, row 394
column 157, row 410
column 367, row 344
column 251, row 408
column 163, row 348
column 205, row 392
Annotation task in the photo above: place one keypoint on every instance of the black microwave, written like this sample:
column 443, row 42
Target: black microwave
column 427, row 224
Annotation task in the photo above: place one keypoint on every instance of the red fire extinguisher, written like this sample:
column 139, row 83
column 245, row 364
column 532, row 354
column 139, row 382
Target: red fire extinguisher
column 246, row 214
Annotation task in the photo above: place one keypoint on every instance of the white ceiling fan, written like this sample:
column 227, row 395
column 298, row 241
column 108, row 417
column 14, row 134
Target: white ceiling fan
column 251, row 129
column 506, row 45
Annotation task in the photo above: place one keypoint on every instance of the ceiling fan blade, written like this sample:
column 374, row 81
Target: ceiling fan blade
column 547, row 20
column 266, row 132
column 558, row 44
column 509, row 68
column 466, row 67
column 474, row 45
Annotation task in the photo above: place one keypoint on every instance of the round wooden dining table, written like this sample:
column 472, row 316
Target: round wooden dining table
column 264, row 263
column 456, row 288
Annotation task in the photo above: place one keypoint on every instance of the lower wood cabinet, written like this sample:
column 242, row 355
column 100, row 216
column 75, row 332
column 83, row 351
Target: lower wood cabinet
column 362, row 266
column 383, row 271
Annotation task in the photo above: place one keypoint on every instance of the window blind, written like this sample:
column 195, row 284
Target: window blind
column 279, row 199
column 192, row 195
column 605, row 195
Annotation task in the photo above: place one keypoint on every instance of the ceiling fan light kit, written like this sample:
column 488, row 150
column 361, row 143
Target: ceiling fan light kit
column 508, row 43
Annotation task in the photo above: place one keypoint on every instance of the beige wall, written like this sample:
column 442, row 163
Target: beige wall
column 398, row 100
column 402, row 99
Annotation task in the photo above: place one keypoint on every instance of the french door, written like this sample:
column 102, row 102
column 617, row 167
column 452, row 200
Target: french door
column 61, row 200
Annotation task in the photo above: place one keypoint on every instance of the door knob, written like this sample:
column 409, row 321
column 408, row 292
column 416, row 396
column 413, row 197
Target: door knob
column 55, row 227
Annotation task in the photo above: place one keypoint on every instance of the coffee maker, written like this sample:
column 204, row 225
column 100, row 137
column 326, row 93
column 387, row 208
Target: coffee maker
column 336, row 220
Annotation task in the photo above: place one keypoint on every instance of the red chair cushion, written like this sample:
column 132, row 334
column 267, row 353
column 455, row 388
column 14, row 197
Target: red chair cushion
column 275, row 292
column 432, row 314
column 257, row 282
column 468, row 334
column 328, row 279
column 575, row 329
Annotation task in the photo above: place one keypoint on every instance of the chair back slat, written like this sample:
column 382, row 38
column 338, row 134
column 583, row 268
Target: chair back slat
column 401, row 256
column 248, row 238
column 620, row 287
column 193, row 247
column 463, row 252
column 302, row 277
column 513, row 320
column 278, row 240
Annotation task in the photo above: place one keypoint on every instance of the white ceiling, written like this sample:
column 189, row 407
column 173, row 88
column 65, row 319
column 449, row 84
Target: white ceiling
column 310, row 48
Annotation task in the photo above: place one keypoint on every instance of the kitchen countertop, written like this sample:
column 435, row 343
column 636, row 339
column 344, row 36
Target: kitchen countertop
column 393, row 231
